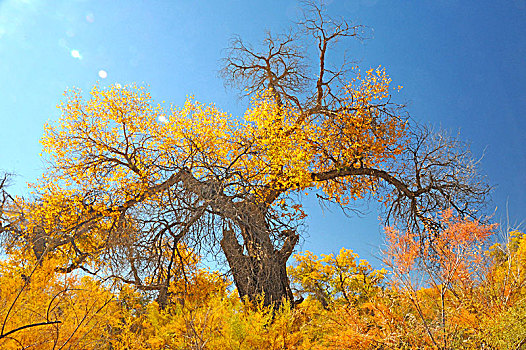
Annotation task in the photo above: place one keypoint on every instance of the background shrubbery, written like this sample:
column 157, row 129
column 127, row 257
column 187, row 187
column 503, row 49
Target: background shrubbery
column 343, row 303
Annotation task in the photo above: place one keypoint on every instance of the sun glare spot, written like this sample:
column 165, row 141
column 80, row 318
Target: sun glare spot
column 103, row 74
column 76, row 54
column 163, row 119
column 118, row 86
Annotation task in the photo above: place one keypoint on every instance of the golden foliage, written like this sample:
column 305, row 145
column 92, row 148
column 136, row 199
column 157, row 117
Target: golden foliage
column 347, row 305
column 43, row 309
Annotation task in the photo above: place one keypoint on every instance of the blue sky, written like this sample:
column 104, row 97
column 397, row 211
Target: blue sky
column 462, row 65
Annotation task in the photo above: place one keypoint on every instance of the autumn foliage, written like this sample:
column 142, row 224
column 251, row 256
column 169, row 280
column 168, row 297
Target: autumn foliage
column 465, row 294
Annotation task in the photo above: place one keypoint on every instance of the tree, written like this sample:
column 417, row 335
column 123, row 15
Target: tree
column 504, row 325
column 448, row 270
column 335, row 279
column 124, row 188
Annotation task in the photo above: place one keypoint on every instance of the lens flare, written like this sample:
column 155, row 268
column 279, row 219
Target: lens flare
column 76, row 54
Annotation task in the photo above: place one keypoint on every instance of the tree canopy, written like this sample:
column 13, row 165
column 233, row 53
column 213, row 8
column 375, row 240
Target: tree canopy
column 128, row 179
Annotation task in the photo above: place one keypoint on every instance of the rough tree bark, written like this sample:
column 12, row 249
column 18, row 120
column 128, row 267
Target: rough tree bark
column 262, row 272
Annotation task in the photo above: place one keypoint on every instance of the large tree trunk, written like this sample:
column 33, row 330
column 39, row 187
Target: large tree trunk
column 257, row 265
column 259, row 272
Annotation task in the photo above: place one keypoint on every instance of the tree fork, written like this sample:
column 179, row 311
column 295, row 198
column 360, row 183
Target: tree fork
column 262, row 274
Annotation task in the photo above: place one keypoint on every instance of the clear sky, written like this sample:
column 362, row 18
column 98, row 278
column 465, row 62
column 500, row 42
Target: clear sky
column 462, row 64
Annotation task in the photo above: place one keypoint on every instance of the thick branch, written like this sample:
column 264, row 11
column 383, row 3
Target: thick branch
column 351, row 171
column 28, row 326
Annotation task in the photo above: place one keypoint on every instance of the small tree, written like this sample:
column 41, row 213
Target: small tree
column 339, row 279
column 447, row 268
